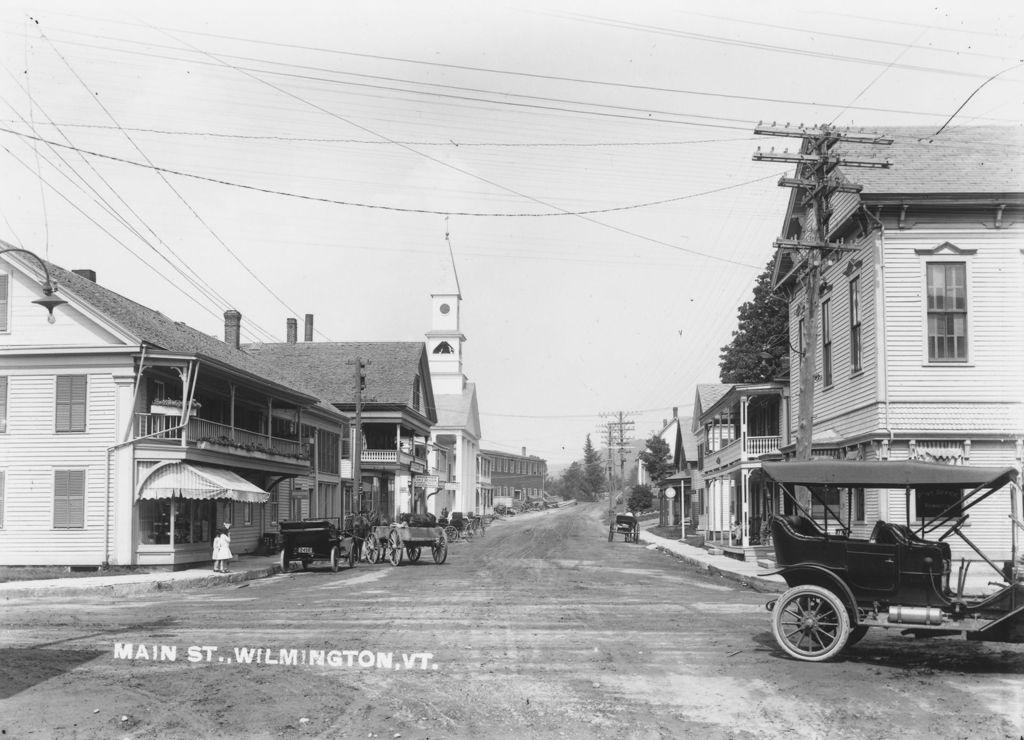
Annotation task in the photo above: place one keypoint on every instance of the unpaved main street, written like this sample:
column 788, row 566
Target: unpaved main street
column 539, row 629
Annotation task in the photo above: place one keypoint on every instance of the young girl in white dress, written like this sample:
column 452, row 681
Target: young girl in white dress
column 221, row 551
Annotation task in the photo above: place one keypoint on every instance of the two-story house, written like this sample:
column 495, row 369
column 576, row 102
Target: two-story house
column 128, row 438
column 735, row 426
column 396, row 411
column 517, row 479
column 918, row 356
column 676, row 508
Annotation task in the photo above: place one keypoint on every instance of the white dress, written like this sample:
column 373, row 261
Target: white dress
column 222, row 547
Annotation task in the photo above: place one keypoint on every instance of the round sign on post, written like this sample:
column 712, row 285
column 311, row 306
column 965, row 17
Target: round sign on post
column 670, row 493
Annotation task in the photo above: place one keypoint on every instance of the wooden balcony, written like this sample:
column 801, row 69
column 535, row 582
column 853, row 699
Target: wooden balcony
column 737, row 451
column 211, row 435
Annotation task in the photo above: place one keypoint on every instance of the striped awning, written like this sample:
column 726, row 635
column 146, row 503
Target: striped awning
column 201, row 482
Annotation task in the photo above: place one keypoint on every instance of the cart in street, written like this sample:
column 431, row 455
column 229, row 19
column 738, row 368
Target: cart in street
column 627, row 525
column 394, row 542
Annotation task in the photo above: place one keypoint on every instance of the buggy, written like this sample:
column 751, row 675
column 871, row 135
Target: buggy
column 393, row 542
column 316, row 539
column 627, row 525
column 897, row 578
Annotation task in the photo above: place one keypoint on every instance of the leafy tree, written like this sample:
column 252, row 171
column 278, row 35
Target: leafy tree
column 640, row 499
column 593, row 470
column 657, row 458
column 763, row 329
column 572, row 483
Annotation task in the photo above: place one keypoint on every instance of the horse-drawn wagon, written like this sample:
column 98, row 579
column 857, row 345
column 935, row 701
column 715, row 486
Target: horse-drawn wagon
column 408, row 539
column 625, row 524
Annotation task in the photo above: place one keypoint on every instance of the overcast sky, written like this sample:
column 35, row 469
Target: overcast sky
column 590, row 162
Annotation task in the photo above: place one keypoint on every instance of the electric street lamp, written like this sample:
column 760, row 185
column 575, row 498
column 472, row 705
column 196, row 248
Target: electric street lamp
column 49, row 301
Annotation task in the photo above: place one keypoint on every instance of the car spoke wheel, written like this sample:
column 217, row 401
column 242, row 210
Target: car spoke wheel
column 451, row 533
column 285, row 565
column 334, row 558
column 810, row 623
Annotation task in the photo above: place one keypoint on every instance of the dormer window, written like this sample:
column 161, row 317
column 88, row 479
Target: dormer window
column 444, row 349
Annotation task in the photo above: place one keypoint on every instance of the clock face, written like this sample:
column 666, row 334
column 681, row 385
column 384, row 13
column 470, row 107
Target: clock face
column 445, row 308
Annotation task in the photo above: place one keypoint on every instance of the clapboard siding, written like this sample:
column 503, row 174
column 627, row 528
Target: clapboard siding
column 31, row 451
column 995, row 344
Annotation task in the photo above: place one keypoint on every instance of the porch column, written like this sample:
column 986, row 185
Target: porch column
column 232, row 387
column 744, row 400
column 270, row 421
column 745, row 508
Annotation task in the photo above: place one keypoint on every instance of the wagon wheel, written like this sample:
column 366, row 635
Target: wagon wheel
column 467, row 532
column 451, row 533
column 413, row 553
column 334, row 558
column 371, row 549
column 810, row 623
column 285, row 565
column 394, row 549
column 439, row 550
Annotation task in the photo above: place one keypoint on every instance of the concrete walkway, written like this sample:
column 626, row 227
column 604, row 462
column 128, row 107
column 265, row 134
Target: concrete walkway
column 243, row 568
column 749, row 574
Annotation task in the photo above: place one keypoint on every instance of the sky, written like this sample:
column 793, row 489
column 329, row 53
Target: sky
column 585, row 167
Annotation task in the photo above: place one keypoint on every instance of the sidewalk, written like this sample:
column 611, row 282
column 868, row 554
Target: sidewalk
column 977, row 582
column 749, row 574
column 243, row 568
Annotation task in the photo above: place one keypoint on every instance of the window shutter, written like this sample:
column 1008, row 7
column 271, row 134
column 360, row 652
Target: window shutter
column 3, row 406
column 68, row 499
column 71, row 402
column 4, row 293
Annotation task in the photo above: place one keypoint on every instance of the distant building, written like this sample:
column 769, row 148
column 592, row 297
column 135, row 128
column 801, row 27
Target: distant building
column 516, row 479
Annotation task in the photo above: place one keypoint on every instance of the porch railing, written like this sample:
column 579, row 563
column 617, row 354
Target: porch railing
column 158, row 426
column 763, row 445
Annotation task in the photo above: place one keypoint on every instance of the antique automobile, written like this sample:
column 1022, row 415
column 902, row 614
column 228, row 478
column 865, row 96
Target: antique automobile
column 318, row 539
column 627, row 525
column 899, row 577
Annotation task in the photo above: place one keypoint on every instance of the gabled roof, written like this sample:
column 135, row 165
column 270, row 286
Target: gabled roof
column 459, row 411
column 328, row 369
column 707, row 396
column 146, row 326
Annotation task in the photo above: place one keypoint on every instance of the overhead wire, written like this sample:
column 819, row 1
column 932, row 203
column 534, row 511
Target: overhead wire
column 174, row 190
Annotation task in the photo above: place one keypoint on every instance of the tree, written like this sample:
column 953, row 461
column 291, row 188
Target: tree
column 763, row 329
column 593, row 470
column 657, row 458
column 640, row 499
column 572, row 483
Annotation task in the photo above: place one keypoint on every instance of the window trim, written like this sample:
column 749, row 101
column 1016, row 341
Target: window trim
column 4, row 395
column 5, row 302
column 961, row 257
column 827, row 377
column 856, row 325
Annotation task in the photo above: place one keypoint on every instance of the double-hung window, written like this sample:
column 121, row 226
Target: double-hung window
column 68, row 499
column 947, row 311
column 70, row 405
column 3, row 404
column 855, row 336
column 5, row 290
column 826, row 341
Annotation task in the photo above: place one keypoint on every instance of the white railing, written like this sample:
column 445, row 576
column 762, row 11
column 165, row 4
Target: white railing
column 158, row 426
column 763, row 445
column 379, row 456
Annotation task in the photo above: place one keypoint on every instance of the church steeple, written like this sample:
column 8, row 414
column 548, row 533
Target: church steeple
column 444, row 344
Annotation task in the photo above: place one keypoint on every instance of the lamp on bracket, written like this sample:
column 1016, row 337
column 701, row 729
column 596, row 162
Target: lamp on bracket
column 774, row 341
column 49, row 301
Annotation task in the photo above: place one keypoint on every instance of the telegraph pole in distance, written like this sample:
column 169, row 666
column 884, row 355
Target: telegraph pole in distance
column 617, row 442
column 815, row 178
column 357, row 437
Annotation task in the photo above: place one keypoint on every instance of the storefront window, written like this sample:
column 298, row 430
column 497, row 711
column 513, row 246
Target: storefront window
column 190, row 521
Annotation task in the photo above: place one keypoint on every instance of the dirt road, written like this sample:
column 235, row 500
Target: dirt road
column 539, row 629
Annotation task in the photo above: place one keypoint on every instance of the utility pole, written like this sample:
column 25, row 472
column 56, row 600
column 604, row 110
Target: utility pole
column 619, row 435
column 817, row 182
column 357, row 437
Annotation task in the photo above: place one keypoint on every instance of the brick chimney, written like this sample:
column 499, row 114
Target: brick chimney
column 675, row 412
column 87, row 274
column 524, row 452
column 309, row 327
column 232, row 327
column 293, row 331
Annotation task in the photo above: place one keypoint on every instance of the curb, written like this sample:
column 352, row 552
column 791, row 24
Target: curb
column 754, row 583
column 139, row 587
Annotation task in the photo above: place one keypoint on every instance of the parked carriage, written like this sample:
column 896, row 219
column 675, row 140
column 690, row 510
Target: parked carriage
column 408, row 539
column 311, row 540
column 627, row 525
column 898, row 577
